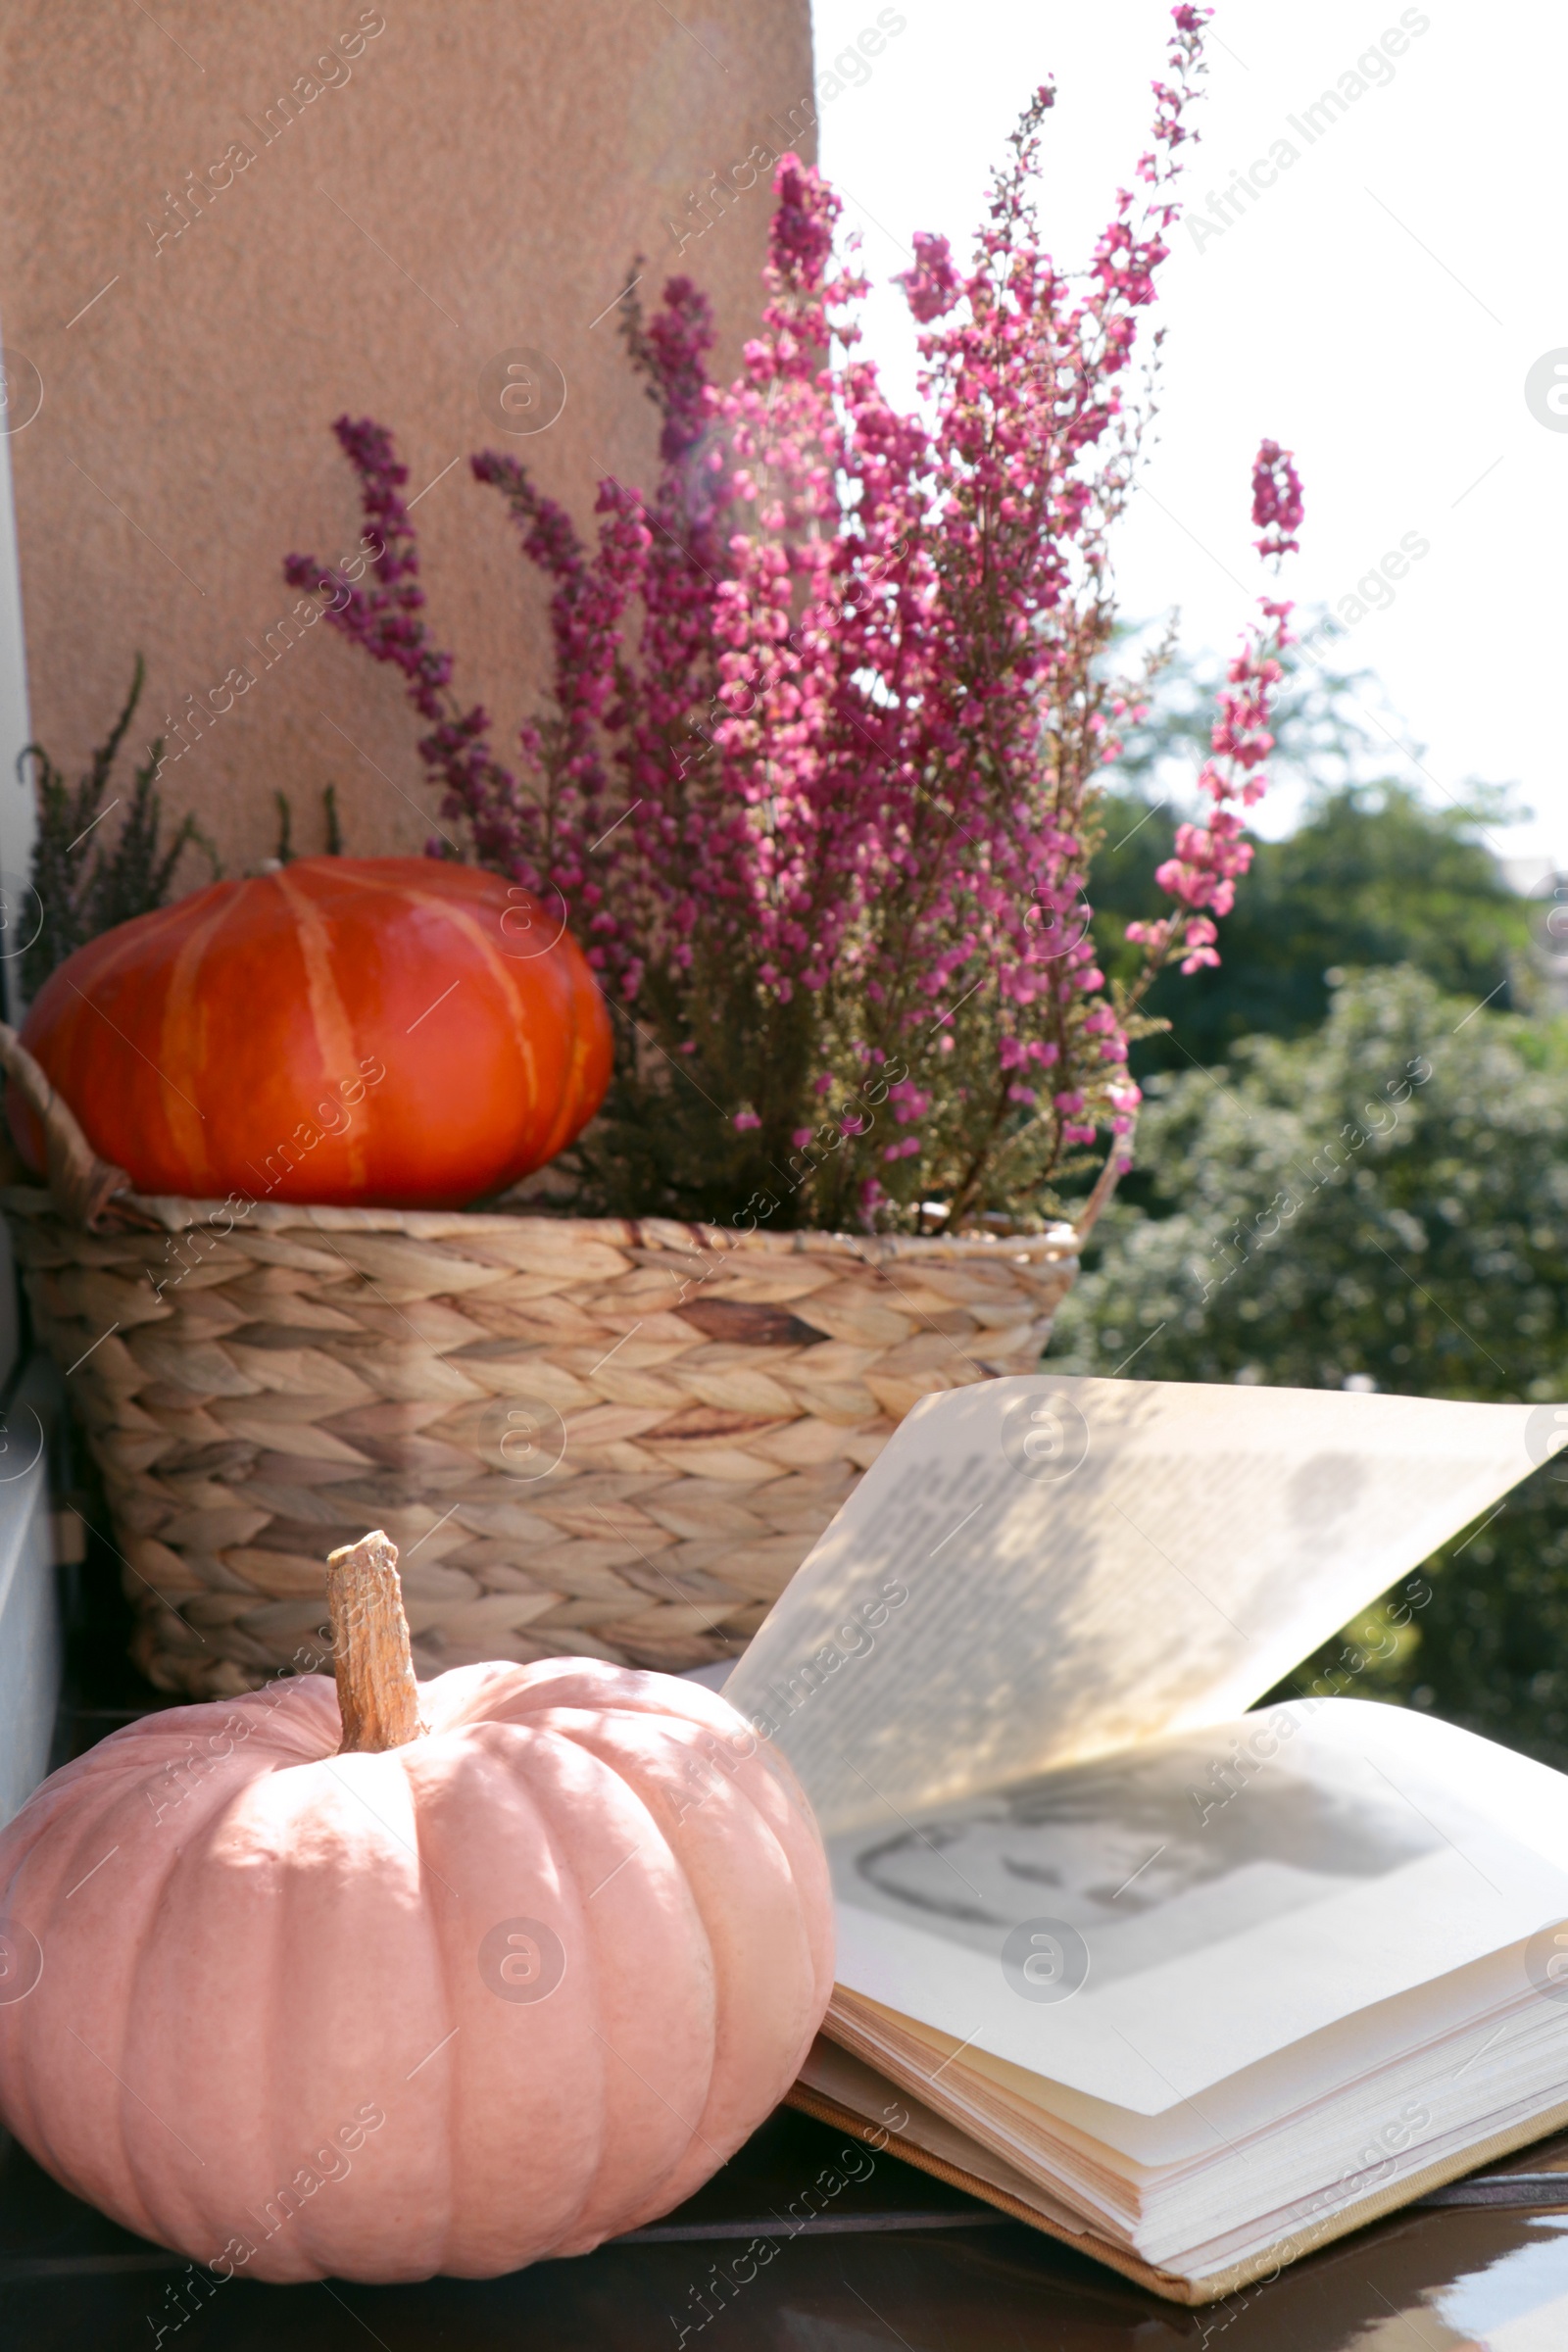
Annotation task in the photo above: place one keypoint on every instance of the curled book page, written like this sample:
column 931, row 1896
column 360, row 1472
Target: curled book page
column 1038, row 1571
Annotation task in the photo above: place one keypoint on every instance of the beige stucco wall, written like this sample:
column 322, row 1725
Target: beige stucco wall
column 477, row 179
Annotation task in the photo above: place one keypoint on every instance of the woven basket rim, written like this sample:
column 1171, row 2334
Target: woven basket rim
column 174, row 1213
column 718, row 1394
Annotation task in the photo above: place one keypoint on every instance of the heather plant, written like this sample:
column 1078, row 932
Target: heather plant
column 817, row 787
column 84, row 881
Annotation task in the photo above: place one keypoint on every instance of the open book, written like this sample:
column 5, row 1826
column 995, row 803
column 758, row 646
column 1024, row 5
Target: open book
column 1193, row 1989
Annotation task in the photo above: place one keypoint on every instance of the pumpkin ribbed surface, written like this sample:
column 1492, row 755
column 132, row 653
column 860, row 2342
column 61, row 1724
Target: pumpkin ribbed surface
column 502, row 1992
column 394, row 1031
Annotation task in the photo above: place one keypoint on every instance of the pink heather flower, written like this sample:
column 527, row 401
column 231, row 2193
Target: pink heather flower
column 1209, row 861
column 801, row 685
column 933, row 285
column 802, row 227
column 1276, row 506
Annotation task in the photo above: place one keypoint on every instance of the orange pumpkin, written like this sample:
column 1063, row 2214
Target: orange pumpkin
column 393, row 1031
column 451, row 1996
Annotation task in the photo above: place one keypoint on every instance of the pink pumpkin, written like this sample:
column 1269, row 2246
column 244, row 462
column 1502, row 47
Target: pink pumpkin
column 501, row 1991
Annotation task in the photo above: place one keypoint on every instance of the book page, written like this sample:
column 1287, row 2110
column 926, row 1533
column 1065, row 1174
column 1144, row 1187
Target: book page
column 1145, row 1927
column 900, row 2118
column 1036, row 1571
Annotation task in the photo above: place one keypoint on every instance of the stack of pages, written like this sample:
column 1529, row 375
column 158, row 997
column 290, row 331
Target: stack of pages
column 1193, row 1989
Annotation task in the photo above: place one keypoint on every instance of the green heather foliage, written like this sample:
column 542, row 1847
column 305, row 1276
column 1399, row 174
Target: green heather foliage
column 87, row 879
column 1385, row 1200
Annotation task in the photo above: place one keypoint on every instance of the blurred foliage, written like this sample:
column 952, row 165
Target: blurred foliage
column 1373, row 875
column 86, row 881
column 1384, row 1201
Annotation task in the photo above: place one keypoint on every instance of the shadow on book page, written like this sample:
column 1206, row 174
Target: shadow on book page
column 1036, row 1571
column 1143, row 1926
column 1140, row 1851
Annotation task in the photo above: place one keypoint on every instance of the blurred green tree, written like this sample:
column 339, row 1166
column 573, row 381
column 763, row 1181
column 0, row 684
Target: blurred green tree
column 1373, row 875
column 1383, row 1202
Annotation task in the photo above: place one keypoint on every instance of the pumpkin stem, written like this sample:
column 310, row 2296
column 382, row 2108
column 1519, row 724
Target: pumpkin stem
column 377, row 1695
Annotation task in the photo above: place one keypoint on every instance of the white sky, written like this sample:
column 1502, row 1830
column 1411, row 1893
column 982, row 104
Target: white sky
column 1377, row 309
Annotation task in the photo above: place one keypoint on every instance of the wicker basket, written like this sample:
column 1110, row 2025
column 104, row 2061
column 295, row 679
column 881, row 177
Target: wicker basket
column 584, row 1436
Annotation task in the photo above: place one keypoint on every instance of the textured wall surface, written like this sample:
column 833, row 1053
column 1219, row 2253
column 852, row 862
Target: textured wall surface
column 451, row 180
